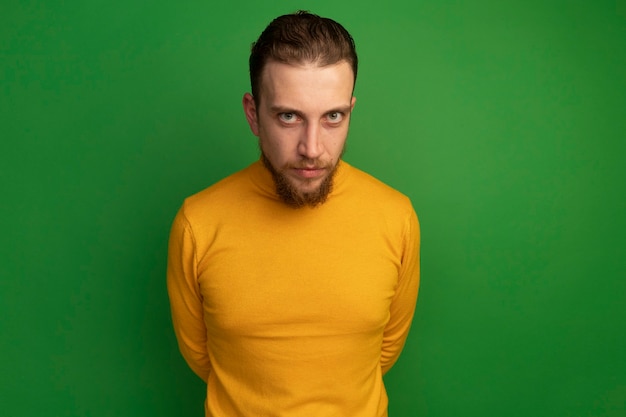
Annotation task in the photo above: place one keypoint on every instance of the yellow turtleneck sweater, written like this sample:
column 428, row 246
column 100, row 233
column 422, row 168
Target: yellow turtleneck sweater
column 293, row 312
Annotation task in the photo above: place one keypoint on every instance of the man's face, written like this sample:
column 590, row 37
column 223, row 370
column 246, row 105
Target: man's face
column 302, row 121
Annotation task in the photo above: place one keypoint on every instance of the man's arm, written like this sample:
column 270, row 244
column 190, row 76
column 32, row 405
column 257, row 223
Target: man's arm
column 405, row 297
column 185, row 298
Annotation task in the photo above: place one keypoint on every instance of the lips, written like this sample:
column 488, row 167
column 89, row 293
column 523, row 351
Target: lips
column 309, row 172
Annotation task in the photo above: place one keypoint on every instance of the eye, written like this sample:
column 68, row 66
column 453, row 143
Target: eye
column 334, row 117
column 288, row 117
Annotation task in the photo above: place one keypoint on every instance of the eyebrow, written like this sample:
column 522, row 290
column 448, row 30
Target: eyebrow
column 284, row 109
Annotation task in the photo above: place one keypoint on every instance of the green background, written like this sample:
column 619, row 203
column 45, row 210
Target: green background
column 504, row 121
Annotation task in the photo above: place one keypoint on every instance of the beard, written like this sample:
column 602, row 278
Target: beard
column 291, row 196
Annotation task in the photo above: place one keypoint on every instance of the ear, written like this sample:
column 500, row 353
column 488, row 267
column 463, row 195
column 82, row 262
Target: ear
column 249, row 108
column 352, row 103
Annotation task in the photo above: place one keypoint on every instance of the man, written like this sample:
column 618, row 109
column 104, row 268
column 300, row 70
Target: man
column 293, row 282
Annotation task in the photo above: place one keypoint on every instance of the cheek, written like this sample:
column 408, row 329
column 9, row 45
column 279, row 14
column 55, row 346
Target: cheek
column 273, row 146
column 281, row 139
column 270, row 138
column 338, row 140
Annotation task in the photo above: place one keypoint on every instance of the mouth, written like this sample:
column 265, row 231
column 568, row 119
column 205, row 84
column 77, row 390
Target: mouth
column 309, row 172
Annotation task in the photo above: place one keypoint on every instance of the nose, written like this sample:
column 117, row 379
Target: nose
column 310, row 145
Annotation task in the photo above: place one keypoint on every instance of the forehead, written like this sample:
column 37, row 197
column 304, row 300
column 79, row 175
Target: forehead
column 307, row 84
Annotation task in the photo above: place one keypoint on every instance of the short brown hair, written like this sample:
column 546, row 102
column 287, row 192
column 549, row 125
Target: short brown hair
column 299, row 38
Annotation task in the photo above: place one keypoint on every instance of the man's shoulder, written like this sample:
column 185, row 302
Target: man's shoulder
column 219, row 196
column 378, row 204
column 374, row 189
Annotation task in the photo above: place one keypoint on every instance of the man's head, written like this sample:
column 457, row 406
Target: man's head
column 302, row 70
column 300, row 38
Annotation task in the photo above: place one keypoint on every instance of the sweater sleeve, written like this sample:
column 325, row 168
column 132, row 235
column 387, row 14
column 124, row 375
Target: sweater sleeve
column 403, row 302
column 185, row 298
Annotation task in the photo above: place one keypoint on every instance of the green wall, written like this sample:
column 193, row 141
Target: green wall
column 504, row 121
